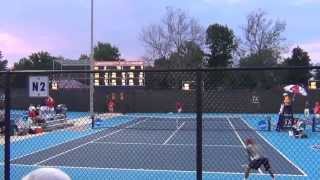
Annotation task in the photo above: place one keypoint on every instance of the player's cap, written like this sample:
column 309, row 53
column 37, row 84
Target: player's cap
column 285, row 94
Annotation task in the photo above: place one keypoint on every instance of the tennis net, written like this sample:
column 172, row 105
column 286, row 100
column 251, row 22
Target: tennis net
column 172, row 122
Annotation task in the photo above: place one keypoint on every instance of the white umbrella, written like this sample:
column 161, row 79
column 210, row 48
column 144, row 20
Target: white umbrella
column 296, row 89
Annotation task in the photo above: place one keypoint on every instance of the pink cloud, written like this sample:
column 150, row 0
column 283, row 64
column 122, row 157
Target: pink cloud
column 14, row 46
column 11, row 44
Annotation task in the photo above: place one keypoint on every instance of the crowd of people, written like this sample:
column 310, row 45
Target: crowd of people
column 38, row 113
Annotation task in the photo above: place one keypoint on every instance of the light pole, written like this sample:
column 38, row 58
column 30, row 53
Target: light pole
column 91, row 66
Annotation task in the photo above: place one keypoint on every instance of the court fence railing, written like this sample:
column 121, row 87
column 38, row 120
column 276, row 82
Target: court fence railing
column 199, row 83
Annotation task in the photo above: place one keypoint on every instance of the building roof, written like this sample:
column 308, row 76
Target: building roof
column 69, row 62
column 119, row 63
column 85, row 62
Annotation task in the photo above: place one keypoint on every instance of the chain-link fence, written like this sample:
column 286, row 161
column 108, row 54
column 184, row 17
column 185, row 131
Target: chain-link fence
column 161, row 124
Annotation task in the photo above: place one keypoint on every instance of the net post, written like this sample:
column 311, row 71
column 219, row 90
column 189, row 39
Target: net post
column 269, row 123
column 199, row 125
column 313, row 124
column 92, row 121
column 7, row 129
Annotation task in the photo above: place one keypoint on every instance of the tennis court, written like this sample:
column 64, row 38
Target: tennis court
column 162, row 143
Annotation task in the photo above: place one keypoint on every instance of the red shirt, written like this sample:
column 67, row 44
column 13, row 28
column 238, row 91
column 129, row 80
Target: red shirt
column 178, row 105
column 50, row 102
column 111, row 103
column 316, row 109
column 32, row 114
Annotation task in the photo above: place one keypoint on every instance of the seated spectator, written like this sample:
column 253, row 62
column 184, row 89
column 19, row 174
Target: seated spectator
column 47, row 174
column 316, row 109
column 31, row 107
column 34, row 115
column 298, row 129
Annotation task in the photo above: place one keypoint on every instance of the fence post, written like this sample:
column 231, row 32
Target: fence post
column 199, row 125
column 7, row 129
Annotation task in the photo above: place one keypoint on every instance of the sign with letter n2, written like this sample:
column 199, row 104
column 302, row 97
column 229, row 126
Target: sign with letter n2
column 38, row 86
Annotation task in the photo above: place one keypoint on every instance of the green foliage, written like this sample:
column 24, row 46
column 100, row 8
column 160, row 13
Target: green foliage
column 190, row 56
column 265, row 58
column 3, row 63
column 84, row 57
column 299, row 57
column 36, row 61
column 106, row 52
column 221, row 42
column 260, row 79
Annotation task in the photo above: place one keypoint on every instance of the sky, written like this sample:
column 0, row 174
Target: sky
column 62, row 27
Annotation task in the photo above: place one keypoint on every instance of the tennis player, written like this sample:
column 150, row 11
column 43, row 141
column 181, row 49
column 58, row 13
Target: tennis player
column 256, row 160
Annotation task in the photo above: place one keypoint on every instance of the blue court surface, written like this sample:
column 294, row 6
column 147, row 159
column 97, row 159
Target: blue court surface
column 163, row 146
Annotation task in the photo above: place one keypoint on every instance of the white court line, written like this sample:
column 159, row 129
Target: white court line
column 151, row 170
column 77, row 147
column 171, row 136
column 284, row 156
column 155, row 144
column 238, row 136
column 48, row 147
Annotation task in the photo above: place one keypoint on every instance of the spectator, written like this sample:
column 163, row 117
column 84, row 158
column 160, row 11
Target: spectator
column 50, row 103
column 316, row 117
column 298, row 129
column 179, row 106
column 47, row 174
column 31, row 107
column 111, row 105
column 316, row 109
column 306, row 110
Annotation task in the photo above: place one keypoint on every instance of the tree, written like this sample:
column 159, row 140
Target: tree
column 222, row 43
column 3, row 67
column 106, row 52
column 84, row 57
column 168, row 37
column 190, row 58
column 36, row 61
column 299, row 57
column 261, row 33
column 260, row 79
column 265, row 58
column 3, row 63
